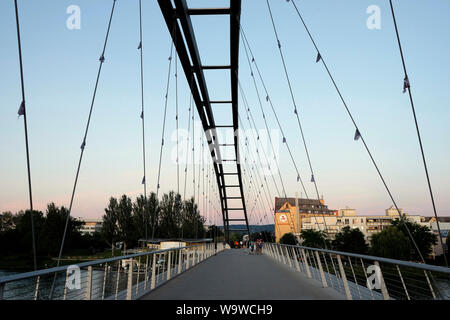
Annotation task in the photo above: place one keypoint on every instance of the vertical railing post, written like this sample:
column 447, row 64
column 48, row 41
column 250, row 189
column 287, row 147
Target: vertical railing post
column 344, row 278
column 89, row 284
column 180, row 260
column 36, row 291
column 153, row 282
column 188, row 258
column 104, row 281
column 328, row 269
column 288, row 257
column 297, row 266
column 335, row 272
column 322, row 274
column 365, row 274
column 146, row 272
column 138, row 276
column 117, row 280
column 308, row 272
column 130, row 280
column 169, row 265
column 384, row 289
column 2, row 290
column 65, row 285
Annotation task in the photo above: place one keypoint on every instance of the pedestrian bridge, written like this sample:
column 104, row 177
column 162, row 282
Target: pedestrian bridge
column 215, row 272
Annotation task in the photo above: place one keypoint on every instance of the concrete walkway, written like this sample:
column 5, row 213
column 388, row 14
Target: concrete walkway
column 234, row 275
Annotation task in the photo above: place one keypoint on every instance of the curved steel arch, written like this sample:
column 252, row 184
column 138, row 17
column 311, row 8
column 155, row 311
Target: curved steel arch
column 178, row 20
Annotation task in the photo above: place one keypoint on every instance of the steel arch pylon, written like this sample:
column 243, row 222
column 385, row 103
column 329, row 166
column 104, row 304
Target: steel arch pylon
column 179, row 24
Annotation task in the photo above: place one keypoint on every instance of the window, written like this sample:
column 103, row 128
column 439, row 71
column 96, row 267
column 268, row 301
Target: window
column 346, row 221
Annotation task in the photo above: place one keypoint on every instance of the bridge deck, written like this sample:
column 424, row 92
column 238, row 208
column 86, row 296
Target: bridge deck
column 234, row 275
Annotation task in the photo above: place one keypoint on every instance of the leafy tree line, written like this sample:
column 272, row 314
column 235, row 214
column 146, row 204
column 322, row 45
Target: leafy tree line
column 124, row 221
column 16, row 235
column 168, row 217
column 393, row 242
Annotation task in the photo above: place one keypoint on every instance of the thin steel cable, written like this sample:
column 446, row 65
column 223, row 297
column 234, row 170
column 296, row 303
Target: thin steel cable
column 24, row 113
column 102, row 59
column 187, row 156
column 417, row 130
column 293, row 99
column 176, row 120
column 259, row 180
column 247, row 46
column 402, row 218
column 163, row 134
column 143, row 115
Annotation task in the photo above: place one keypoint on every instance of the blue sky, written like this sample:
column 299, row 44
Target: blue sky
column 60, row 67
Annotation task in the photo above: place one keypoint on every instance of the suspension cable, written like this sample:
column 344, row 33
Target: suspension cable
column 247, row 50
column 358, row 134
column 407, row 86
column 22, row 111
column 102, row 60
column 144, row 180
column 163, row 133
column 293, row 100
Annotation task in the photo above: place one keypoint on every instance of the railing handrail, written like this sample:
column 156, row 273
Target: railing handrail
column 31, row 274
column 375, row 258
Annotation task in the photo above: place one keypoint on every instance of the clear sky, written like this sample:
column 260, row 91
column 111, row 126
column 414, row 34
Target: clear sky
column 60, row 66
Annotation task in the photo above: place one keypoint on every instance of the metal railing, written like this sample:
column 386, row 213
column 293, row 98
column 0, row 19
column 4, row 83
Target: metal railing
column 126, row 277
column 363, row 277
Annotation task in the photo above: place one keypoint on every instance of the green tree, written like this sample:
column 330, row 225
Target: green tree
column 126, row 230
column 110, row 230
column 7, row 221
column 24, row 231
column 390, row 243
column 423, row 236
column 170, row 217
column 53, row 230
column 314, row 238
column 288, row 238
column 192, row 221
column 350, row 240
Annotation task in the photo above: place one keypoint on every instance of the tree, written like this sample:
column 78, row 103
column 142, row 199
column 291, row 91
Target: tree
column 170, row 218
column 314, row 238
column 288, row 238
column 390, row 243
column 52, row 231
column 423, row 236
column 7, row 221
column 350, row 240
column 110, row 232
column 192, row 221
column 125, row 223
column 24, row 231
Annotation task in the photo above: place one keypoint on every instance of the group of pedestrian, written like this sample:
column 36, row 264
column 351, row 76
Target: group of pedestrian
column 254, row 247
